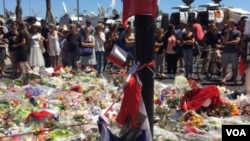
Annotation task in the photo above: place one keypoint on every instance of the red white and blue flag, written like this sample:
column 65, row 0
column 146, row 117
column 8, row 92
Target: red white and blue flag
column 132, row 116
column 118, row 54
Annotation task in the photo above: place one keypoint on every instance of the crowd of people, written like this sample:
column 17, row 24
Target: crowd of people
column 30, row 46
column 178, row 45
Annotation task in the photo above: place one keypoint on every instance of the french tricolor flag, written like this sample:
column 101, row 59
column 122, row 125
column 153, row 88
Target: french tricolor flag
column 118, row 54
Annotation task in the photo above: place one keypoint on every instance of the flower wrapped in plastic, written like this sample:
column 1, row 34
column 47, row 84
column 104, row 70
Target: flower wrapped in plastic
column 181, row 84
column 192, row 118
column 243, row 102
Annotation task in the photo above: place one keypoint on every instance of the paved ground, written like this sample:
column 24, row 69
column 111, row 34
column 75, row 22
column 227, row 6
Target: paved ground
column 215, row 80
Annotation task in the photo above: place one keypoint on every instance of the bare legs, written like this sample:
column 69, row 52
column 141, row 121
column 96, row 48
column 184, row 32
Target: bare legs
column 54, row 60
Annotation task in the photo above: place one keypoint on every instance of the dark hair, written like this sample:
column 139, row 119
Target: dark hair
column 13, row 24
column 88, row 21
column 171, row 27
column 113, row 27
column 243, row 18
column 43, row 21
column 188, row 26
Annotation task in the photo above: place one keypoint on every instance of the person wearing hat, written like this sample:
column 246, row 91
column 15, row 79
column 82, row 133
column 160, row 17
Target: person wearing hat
column 99, row 48
column 62, row 41
column 5, row 29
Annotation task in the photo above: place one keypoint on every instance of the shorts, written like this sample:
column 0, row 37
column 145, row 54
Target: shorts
column 214, row 53
column 229, row 58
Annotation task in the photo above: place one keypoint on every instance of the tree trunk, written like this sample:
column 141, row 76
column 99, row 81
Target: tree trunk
column 18, row 11
column 49, row 16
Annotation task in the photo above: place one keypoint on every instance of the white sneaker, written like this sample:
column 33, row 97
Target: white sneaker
column 88, row 69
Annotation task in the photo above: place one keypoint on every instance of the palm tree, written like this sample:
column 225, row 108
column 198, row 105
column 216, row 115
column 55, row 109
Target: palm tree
column 18, row 11
column 188, row 2
column 49, row 16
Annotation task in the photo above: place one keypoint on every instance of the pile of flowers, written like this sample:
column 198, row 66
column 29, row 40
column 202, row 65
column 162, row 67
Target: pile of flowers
column 65, row 104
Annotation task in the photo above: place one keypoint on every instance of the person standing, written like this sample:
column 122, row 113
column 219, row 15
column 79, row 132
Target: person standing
column 188, row 40
column 62, row 42
column 44, row 33
column 99, row 48
column 179, row 33
column 11, row 37
column 212, row 39
column 36, row 55
column 73, row 43
column 230, row 50
column 243, row 49
column 111, row 37
column 159, row 53
column 53, row 45
column 4, row 28
column 88, row 41
column 3, row 55
column 130, row 44
column 21, row 43
column 198, row 31
column 171, row 53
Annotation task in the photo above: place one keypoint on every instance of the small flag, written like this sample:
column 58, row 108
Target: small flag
column 118, row 54
column 132, row 116
column 161, row 97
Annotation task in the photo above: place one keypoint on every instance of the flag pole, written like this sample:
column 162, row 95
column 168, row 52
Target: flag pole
column 144, row 32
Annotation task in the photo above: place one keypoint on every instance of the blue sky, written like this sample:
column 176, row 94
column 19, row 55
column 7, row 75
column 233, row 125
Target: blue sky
column 38, row 6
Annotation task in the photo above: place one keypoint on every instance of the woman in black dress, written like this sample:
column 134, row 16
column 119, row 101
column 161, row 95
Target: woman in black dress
column 22, row 48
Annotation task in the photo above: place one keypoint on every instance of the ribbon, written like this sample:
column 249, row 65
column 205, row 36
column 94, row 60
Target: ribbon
column 147, row 65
